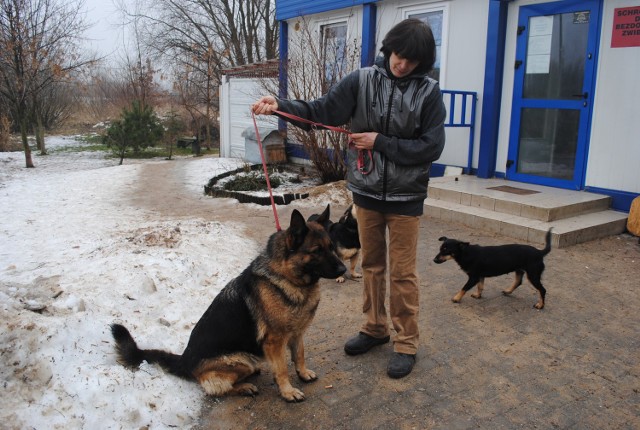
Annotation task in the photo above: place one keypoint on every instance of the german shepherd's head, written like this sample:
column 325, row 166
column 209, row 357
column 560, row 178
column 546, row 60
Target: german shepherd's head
column 307, row 251
column 324, row 219
column 350, row 218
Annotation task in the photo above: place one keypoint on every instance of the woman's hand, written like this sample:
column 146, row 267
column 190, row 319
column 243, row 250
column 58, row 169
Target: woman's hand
column 363, row 140
column 265, row 106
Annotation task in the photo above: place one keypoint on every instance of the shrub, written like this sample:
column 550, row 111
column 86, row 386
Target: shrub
column 252, row 181
column 137, row 128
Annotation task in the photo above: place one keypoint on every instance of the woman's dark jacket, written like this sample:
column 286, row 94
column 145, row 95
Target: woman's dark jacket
column 408, row 114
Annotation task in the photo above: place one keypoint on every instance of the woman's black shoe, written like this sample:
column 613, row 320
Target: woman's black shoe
column 363, row 343
column 400, row 364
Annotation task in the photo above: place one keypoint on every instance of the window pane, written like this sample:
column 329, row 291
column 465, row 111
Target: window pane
column 333, row 45
column 548, row 142
column 556, row 61
column 434, row 20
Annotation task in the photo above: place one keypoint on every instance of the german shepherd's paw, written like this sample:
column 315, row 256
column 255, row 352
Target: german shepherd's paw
column 307, row 375
column 292, row 395
column 353, row 275
column 245, row 389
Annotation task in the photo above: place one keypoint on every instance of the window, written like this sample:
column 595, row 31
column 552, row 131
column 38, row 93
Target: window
column 333, row 47
column 435, row 19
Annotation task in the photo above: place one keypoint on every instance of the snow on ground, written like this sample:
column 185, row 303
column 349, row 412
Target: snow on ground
column 75, row 257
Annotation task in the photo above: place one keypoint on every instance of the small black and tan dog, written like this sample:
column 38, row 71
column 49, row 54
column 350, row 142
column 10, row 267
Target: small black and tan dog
column 344, row 235
column 480, row 262
column 258, row 315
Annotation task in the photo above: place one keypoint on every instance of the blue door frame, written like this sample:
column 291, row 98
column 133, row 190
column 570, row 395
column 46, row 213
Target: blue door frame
column 583, row 105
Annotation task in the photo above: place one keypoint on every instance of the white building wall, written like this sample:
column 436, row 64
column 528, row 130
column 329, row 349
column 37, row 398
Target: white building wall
column 462, row 59
column 236, row 97
column 463, row 56
column 614, row 151
column 614, row 147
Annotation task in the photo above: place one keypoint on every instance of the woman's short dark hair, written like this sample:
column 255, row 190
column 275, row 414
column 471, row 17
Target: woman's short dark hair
column 413, row 40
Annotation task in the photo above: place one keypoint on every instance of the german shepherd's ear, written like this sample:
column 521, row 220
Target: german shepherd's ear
column 324, row 216
column 442, row 239
column 347, row 214
column 297, row 230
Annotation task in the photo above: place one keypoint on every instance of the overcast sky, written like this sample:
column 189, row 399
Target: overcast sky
column 104, row 36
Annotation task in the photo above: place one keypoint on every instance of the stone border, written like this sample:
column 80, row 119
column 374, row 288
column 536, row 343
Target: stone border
column 283, row 199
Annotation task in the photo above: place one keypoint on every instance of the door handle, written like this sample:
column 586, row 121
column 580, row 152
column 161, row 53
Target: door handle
column 584, row 95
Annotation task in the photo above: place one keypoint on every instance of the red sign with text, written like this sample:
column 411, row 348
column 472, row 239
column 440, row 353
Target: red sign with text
column 626, row 27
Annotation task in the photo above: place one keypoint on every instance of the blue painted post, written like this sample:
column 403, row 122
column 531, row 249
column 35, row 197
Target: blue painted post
column 472, row 132
column 492, row 94
column 368, row 54
column 283, row 75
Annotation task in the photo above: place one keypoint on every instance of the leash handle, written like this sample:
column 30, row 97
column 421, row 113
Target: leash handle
column 266, row 174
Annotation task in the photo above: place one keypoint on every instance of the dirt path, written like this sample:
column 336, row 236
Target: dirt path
column 162, row 189
column 489, row 363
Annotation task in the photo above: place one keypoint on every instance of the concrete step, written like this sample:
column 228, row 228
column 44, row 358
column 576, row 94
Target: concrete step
column 525, row 200
column 566, row 232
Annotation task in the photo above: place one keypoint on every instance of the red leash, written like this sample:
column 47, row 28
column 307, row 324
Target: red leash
column 315, row 124
column 266, row 174
column 360, row 162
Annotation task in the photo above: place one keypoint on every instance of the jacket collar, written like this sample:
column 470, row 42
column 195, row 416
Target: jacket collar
column 382, row 65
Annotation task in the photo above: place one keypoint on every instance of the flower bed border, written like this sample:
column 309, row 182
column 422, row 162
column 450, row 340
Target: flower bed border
column 282, row 199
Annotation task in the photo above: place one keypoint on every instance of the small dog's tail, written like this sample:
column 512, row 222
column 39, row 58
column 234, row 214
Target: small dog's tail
column 129, row 355
column 547, row 246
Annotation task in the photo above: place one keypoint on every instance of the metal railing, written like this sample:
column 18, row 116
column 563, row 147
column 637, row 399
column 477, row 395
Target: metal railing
column 461, row 112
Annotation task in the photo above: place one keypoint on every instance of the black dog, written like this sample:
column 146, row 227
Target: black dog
column 481, row 262
column 344, row 235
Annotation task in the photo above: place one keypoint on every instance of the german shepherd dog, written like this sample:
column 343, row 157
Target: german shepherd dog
column 256, row 316
column 480, row 262
column 344, row 235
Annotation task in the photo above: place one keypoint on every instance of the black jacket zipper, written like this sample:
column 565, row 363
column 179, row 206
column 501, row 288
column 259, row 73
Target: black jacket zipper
column 386, row 126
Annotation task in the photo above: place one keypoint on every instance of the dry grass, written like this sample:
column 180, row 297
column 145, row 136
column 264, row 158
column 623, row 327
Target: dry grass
column 5, row 134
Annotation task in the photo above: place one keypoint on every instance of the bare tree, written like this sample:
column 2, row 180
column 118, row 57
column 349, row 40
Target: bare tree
column 38, row 48
column 316, row 62
column 198, row 39
column 198, row 93
column 137, row 70
column 5, row 132
column 224, row 32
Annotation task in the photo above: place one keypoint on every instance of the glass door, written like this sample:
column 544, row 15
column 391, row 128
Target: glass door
column 553, row 90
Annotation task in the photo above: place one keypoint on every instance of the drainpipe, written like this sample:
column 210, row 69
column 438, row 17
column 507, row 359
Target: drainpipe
column 493, row 82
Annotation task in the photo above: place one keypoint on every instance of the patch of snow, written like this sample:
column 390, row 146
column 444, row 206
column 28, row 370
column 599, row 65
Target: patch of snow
column 75, row 256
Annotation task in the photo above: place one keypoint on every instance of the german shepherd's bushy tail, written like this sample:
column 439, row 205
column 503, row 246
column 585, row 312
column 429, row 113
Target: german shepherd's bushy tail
column 129, row 355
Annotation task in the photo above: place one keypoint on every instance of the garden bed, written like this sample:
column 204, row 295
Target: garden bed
column 289, row 188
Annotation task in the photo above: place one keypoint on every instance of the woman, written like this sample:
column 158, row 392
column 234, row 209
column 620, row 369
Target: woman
column 396, row 112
